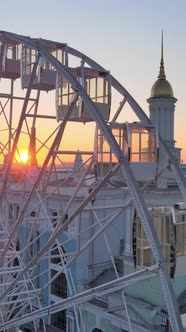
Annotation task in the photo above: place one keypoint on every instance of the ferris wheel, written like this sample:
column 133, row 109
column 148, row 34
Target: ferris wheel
column 58, row 105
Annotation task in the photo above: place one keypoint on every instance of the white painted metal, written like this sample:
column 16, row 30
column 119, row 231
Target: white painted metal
column 22, row 285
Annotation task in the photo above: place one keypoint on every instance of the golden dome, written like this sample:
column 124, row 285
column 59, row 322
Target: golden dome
column 162, row 88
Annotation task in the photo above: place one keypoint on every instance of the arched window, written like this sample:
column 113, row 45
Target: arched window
column 59, row 320
column 97, row 330
column 14, row 248
column 57, row 256
column 58, row 285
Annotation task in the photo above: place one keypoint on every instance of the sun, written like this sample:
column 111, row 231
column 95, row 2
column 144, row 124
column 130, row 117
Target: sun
column 23, row 156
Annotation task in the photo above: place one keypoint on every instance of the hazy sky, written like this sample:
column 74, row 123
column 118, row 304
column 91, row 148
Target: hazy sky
column 122, row 35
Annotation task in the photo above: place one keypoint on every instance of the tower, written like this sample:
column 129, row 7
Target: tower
column 162, row 107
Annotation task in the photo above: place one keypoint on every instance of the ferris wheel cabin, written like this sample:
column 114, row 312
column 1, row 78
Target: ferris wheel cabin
column 97, row 86
column 10, row 51
column 139, row 145
column 45, row 78
column 170, row 226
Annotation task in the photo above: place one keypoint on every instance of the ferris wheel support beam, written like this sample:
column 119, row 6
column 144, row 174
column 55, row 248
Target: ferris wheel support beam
column 11, row 116
column 119, row 109
column 87, row 295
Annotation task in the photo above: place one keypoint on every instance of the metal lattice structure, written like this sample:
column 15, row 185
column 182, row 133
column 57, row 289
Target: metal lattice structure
column 36, row 239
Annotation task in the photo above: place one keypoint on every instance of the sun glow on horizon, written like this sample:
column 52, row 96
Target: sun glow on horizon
column 22, row 157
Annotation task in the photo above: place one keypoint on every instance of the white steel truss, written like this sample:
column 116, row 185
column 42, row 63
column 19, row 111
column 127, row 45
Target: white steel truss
column 24, row 269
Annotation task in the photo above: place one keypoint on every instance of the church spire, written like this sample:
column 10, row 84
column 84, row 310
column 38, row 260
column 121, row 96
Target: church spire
column 162, row 75
column 161, row 88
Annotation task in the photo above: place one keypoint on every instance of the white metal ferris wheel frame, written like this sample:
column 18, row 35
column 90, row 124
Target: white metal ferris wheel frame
column 171, row 303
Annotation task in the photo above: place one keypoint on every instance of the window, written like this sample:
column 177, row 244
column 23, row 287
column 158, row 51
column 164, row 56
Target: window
column 122, row 246
column 59, row 320
column 56, row 255
column 56, row 215
column 33, row 214
column 17, row 211
column 59, row 285
column 163, row 224
column 180, row 217
column 10, row 211
column 54, row 218
column 55, row 259
column 143, row 144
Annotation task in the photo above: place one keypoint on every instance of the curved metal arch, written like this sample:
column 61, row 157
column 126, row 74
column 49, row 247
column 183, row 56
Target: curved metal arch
column 123, row 91
column 132, row 185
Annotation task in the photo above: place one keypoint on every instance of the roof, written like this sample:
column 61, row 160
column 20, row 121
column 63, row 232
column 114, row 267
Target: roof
column 162, row 89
